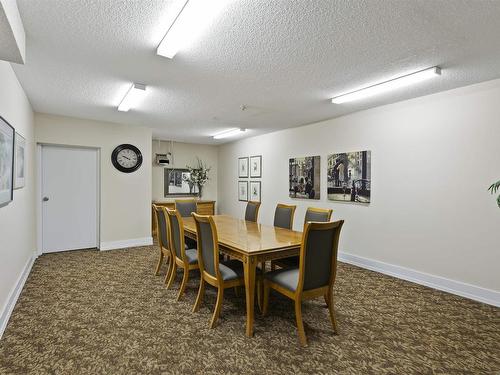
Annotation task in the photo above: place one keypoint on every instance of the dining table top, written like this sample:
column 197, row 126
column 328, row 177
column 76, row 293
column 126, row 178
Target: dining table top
column 249, row 237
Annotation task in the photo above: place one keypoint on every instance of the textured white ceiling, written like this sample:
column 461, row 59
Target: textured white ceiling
column 12, row 38
column 283, row 59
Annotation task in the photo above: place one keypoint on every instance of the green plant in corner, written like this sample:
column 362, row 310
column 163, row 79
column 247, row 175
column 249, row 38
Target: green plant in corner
column 198, row 175
column 494, row 188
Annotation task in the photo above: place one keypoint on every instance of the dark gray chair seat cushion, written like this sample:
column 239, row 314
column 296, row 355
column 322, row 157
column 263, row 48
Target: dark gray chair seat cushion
column 291, row 262
column 286, row 277
column 192, row 256
column 231, row 269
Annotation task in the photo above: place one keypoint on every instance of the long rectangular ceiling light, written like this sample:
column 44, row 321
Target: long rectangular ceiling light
column 132, row 97
column 390, row 85
column 229, row 133
column 193, row 18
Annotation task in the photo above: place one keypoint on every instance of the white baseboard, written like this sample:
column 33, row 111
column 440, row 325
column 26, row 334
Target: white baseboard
column 111, row 245
column 459, row 288
column 14, row 294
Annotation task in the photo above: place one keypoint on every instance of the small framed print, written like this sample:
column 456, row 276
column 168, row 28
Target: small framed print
column 19, row 161
column 7, row 135
column 256, row 166
column 255, row 191
column 243, row 167
column 243, row 191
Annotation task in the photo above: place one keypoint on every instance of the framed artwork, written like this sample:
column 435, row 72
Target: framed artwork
column 243, row 191
column 304, row 177
column 256, row 166
column 6, row 162
column 255, row 191
column 349, row 176
column 243, row 167
column 19, row 161
column 176, row 182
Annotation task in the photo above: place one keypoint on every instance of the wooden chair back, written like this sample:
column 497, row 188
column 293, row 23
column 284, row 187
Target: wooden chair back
column 318, row 255
column 252, row 211
column 162, row 227
column 320, row 215
column 283, row 216
column 185, row 207
column 176, row 234
column 208, row 246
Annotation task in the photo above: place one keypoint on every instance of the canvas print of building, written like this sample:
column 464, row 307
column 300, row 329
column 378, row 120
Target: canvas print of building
column 349, row 176
column 304, row 177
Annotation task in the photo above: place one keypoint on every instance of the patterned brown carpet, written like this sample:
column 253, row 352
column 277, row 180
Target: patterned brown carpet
column 89, row 312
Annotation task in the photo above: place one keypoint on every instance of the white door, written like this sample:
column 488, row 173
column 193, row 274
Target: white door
column 69, row 198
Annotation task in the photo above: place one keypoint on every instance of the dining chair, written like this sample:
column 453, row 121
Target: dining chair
column 163, row 240
column 185, row 206
column 252, row 211
column 221, row 275
column 319, row 215
column 186, row 259
column 315, row 275
column 283, row 216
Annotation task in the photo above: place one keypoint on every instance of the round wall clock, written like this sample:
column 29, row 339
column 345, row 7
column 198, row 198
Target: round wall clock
column 126, row 158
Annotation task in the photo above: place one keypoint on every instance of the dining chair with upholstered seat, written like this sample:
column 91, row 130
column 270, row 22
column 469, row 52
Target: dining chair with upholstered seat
column 283, row 216
column 221, row 275
column 315, row 275
column 163, row 240
column 319, row 215
column 186, row 259
column 186, row 207
column 252, row 211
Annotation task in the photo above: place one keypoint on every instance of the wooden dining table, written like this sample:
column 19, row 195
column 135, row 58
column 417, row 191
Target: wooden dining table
column 252, row 243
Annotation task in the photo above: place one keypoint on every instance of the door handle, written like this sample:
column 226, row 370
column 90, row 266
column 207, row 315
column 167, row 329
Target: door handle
column 45, row 199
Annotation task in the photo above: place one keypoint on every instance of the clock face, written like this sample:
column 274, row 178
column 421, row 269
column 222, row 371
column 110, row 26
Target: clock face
column 126, row 158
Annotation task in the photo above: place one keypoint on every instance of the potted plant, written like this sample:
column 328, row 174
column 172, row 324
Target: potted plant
column 198, row 175
column 494, row 188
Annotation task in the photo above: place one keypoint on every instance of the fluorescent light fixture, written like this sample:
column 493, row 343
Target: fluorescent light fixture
column 193, row 18
column 229, row 133
column 392, row 84
column 132, row 97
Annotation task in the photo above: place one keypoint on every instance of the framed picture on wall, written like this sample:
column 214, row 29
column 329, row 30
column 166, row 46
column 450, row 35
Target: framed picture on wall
column 304, row 177
column 349, row 177
column 255, row 191
column 19, row 161
column 176, row 182
column 6, row 162
column 256, row 166
column 243, row 167
column 243, row 191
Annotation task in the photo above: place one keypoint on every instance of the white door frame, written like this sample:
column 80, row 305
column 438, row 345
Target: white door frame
column 39, row 231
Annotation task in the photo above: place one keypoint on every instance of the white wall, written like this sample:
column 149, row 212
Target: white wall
column 125, row 197
column 433, row 159
column 185, row 154
column 17, row 219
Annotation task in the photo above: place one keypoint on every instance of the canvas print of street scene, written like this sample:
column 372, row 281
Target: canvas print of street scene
column 304, row 175
column 349, row 176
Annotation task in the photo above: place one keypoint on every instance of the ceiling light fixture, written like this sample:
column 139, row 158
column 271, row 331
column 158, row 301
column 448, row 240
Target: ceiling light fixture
column 229, row 133
column 193, row 18
column 131, row 98
column 392, row 84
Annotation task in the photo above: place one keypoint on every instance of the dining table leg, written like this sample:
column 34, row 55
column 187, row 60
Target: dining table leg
column 249, row 269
